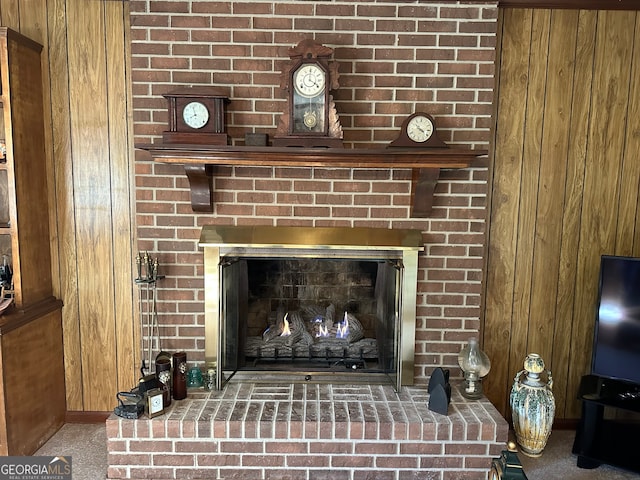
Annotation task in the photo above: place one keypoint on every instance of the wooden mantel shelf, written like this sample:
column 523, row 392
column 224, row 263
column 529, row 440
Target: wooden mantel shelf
column 199, row 160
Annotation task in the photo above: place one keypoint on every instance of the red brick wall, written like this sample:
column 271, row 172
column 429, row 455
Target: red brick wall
column 395, row 58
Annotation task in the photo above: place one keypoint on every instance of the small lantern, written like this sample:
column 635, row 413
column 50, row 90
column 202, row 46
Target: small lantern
column 475, row 365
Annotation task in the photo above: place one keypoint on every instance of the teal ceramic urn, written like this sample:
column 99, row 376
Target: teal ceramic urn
column 533, row 406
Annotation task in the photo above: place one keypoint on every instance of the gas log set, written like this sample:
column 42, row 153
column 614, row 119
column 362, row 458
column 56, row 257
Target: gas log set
column 313, row 334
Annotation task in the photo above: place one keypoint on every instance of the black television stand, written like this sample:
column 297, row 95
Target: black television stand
column 611, row 441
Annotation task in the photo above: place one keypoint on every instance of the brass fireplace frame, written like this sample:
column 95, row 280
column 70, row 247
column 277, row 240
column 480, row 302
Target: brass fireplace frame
column 315, row 242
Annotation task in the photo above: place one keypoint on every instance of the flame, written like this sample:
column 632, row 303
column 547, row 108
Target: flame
column 322, row 331
column 285, row 330
column 343, row 328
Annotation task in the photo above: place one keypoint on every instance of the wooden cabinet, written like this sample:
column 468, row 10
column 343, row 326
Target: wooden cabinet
column 26, row 235
column 32, row 395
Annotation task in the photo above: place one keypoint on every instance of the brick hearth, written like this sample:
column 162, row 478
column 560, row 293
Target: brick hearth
column 308, row 431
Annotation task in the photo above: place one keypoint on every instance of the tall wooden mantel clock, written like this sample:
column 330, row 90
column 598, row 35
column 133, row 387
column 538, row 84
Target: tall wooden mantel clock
column 310, row 118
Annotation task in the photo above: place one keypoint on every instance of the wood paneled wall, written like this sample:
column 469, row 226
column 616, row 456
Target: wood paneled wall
column 565, row 187
column 565, row 177
column 90, row 175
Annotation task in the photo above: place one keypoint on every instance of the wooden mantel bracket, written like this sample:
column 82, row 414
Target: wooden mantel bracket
column 423, row 186
column 199, row 160
column 201, row 185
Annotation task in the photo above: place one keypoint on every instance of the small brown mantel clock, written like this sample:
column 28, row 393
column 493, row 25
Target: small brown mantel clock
column 418, row 130
column 197, row 116
column 310, row 118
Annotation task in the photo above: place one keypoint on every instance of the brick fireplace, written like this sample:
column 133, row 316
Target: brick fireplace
column 395, row 58
column 316, row 424
column 348, row 294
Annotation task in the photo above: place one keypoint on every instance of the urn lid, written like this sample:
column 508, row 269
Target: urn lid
column 533, row 363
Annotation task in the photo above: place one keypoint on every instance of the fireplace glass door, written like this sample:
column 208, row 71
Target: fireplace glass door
column 310, row 319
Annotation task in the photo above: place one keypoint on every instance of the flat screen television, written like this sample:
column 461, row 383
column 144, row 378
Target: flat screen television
column 616, row 345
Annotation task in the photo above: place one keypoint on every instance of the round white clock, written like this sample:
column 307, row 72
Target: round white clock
column 309, row 80
column 420, row 129
column 195, row 115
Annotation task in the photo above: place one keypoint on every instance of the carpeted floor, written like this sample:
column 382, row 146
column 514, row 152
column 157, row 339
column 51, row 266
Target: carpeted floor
column 557, row 462
column 87, row 446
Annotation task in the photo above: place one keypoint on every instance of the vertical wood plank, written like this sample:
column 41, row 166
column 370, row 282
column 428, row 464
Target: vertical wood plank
column 118, row 102
column 92, row 198
column 64, row 185
column 544, row 331
column 531, row 157
column 34, row 24
column 577, row 127
column 632, row 141
column 31, row 19
column 501, row 253
column 627, row 234
column 10, row 14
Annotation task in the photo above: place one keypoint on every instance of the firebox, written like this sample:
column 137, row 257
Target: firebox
column 310, row 304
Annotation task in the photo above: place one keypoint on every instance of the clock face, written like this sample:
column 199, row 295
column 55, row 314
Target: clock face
column 309, row 80
column 155, row 404
column 309, row 100
column 195, row 115
column 420, row 128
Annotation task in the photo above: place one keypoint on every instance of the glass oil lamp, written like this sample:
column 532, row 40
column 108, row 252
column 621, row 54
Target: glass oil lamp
column 475, row 365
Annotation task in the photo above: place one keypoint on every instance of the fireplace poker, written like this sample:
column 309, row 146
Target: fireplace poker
column 148, row 307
